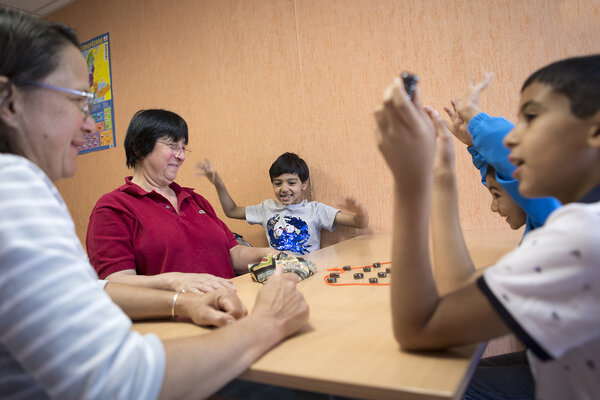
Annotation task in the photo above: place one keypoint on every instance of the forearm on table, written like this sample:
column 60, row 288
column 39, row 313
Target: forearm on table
column 241, row 256
column 452, row 265
column 414, row 294
column 159, row 281
column 199, row 366
column 141, row 302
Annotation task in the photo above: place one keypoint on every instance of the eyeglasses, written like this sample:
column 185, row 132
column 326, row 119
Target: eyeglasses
column 89, row 96
column 175, row 148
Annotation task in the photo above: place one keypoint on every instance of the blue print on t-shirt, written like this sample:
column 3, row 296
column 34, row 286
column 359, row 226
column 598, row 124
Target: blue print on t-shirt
column 288, row 233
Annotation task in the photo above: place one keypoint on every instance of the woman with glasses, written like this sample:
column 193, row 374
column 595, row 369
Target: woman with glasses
column 154, row 233
column 61, row 336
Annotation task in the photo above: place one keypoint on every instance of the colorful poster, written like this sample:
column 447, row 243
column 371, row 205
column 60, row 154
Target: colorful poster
column 97, row 56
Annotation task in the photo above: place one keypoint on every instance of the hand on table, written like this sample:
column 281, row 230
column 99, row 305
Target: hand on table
column 216, row 308
column 279, row 300
column 197, row 283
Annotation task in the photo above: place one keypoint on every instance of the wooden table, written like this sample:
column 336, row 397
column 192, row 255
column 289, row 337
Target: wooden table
column 348, row 347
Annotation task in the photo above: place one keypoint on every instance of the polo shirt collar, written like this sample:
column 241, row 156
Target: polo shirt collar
column 132, row 188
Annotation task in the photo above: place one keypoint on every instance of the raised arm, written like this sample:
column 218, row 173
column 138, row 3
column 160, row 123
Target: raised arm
column 229, row 206
column 356, row 215
column 483, row 135
column 452, row 267
column 422, row 319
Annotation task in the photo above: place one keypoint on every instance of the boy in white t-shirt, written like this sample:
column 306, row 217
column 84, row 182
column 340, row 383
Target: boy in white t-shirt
column 291, row 223
column 547, row 291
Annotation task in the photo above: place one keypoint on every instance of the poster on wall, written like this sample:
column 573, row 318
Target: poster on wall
column 97, row 57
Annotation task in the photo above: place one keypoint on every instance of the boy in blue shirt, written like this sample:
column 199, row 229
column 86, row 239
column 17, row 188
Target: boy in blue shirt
column 483, row 135
column 291, row 223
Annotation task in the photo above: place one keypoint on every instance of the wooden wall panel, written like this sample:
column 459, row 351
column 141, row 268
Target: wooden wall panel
column 257, row 78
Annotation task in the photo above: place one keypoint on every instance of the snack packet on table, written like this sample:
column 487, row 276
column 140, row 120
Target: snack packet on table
column 262, row 270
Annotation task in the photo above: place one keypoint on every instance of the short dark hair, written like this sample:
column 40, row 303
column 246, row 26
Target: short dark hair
column 30, row 50
column 146, row 127
column 490, row 170
column 289, row 163
column 578, row 78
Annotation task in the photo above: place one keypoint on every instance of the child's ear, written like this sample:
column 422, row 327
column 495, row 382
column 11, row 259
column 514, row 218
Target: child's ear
column 305, row 184
column 594, row 131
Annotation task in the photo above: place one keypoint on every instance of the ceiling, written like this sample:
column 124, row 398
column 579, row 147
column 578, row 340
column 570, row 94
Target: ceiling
column 38, row 8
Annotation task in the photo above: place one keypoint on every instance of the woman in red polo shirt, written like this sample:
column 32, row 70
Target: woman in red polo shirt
column 151, row 231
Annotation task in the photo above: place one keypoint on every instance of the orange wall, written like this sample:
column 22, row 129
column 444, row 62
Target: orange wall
column 256, row 78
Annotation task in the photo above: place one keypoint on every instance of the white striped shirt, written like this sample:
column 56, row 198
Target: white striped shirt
column 60, row 334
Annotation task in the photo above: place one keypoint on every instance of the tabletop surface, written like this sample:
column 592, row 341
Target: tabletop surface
column 348, row 347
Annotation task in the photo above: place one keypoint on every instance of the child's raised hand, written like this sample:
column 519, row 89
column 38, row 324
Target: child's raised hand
column 444, row 149
column 207, row 169
column 353, row 205
column 458, row 126
column 468, row 105
column 406, row 136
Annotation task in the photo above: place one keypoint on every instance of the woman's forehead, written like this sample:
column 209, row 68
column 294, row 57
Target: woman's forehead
column 72, row 71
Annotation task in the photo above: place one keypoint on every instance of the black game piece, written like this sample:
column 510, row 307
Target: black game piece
column 346, row 268
column 372, row 280
column 358, row 275
column 388, row 270
column 410, row 83
column 381, row 274
column 367, row 269
column 376, row 265
column 331, row 280
column 334, row 274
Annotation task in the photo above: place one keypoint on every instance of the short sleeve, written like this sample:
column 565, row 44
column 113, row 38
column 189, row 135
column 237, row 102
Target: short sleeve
column 260, row 213
column 326, row 216
column 547, row 289
column 254, row 214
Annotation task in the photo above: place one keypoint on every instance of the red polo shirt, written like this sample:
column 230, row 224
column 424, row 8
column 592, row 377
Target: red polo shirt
column 132, row 229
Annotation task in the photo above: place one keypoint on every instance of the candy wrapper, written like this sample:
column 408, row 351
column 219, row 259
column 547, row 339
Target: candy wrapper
column 261, row 271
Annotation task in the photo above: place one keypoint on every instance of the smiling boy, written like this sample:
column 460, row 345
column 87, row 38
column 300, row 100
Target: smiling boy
column 547, row 291
column 291, row 223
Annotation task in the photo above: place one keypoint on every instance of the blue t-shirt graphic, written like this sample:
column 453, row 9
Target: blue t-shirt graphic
column 295, row 227
column 287, row 233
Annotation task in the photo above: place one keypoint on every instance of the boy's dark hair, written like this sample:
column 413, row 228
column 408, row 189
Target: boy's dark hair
column 490, row 170
column 289, row 163
column 578, row 78
column 30, row 50
column 146, row 127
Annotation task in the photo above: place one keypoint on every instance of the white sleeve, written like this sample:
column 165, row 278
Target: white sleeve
column 548, row 289
column 257, row 214
column 326, row 216
column 60, row 334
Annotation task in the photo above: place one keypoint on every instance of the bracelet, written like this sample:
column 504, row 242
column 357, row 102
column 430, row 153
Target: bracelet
column 175, row 296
